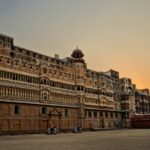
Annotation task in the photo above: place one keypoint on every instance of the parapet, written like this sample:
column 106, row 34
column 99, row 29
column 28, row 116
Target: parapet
column 6, row 39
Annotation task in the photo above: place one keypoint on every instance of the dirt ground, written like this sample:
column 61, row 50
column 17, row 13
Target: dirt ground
column 100, row 140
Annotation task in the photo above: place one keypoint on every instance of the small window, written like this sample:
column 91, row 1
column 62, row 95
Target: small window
column 34, row 54
column 111, row 114
column 101, row 114
column 66, row 112
column 89, row 114
column 85, row 113
column 17, row 110
column 106, row 114
column 16, row 63
column 44, row 110
column 8, row 61
column 12, row 54
column 45, row 96
column 31, row 67
column 44, row 70
column 24, row 65
column 95, row 114
column 46, row 58
column 28, row 53
column 78, row 88
column 14, row 77
column 44, row 81
column 20, row 50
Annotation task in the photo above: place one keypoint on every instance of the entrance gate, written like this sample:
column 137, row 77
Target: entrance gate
column 54, row 119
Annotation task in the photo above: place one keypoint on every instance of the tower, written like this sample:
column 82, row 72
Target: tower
column 80, row 74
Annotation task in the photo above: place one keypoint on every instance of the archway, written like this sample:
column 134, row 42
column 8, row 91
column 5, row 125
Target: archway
column 55, row 119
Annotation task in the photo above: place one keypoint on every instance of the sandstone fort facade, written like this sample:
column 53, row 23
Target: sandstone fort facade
column 38, row 91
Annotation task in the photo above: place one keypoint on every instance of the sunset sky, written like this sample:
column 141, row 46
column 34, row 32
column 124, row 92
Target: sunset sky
column 113, row 34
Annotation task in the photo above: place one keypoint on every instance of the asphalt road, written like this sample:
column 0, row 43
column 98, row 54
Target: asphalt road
column 101, row 140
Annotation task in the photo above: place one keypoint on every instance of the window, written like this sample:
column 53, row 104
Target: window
column 78, row 88
column 85, row 113
column 124, row 97
column 24, row 65
column 101, row 114
column 89, row 114
column 116, row 115
column 44, row 110
column 44, row 81
column 31, row 67
column 28, row 53
column 34, row 54
column 66, row 112
column 46, row 58
column 14, row 77
column 106, row 114
column 17, row 63
column 45, row 95
column 12, row 54
column 95, row 114
column 44, row 70
column 17, row 110
column 111, row 114
column 8, row 61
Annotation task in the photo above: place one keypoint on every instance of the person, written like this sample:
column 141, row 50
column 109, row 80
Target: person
column 79, row 129
column 75, row 130
column 55, row 130
column 49, row 131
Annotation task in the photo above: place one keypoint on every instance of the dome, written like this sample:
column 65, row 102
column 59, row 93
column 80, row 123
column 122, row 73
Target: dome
column 77, row 54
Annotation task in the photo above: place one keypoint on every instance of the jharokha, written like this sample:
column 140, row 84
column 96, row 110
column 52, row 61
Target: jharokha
column 38, row 92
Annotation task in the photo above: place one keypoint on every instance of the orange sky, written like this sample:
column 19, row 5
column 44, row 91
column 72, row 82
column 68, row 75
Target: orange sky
column 112, row 33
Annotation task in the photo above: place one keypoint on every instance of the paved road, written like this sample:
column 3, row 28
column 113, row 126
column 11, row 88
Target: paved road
column 101, row 140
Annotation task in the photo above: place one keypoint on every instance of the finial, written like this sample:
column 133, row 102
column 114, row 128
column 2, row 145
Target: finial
column 77, row 46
